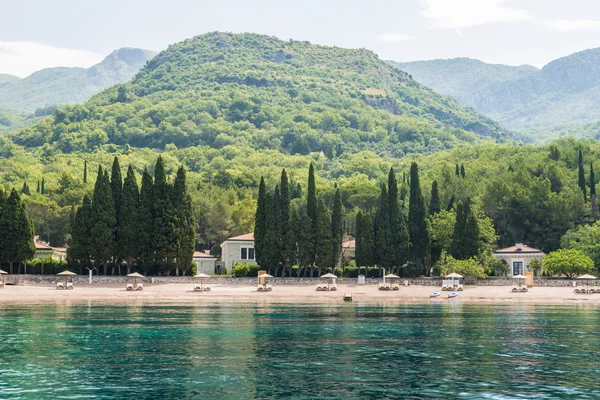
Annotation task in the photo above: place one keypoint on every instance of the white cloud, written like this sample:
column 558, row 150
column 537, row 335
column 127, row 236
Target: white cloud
column 567, row 25
column 394, row 37
column 456, row 14
column 23, row 58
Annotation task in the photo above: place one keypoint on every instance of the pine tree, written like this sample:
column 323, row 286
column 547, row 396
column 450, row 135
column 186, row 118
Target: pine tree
column 85, row 171
column 165, row 238
column 104, row 220
column 130, row 235
column 417, row 226
column 186, row 223
column 25, row 189
column 336, row 226
column 145, row 221
column 434, row 203
column 260, row 227
column 582, row 184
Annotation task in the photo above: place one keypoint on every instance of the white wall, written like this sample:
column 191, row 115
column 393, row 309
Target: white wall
column 231, row 253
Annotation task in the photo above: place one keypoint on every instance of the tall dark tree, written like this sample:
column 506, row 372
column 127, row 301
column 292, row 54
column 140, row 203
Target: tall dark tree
column 417, row 226
column 38, row 190
column 306, row 243
column 434, row 202
column 274, row 232
column 186, row 223
column 465, row 238
column 260, row 228
column 85, row 171
column 43, row 187
column 287, row 233
column 324, row 254
column 129, row 218
column 311, row 208
column 116, row 187
column 593, row 198
column 24, row 235
column 81, row 249
column 582, row 184
column 104, row 220
column 358, row 238
column 382, row 255
column 145, row 221
column 165, row 237
column 398, row 243
column 25, row 189
column 457, row 170
column 462, row 170
column 367, row 242
column 337, row 218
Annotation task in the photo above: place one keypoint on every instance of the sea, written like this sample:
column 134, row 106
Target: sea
column 263, row 350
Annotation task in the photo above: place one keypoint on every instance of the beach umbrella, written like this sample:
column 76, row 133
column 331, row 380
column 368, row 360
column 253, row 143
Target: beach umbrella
column 266, row 276
column 135, row 275
column 329, row 278
column 586, row 277
column 2, row 272
column 66, row 274
column 519, row 277
column 201, row 276
column 392, row 276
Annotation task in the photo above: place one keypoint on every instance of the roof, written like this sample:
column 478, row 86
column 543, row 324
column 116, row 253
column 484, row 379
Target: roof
column 242, row 238
column 201, row 254
column 513, row 249
column 349, row 243
column 43, row 246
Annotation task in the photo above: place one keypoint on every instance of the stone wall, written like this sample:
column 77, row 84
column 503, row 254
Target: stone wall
column 227, row 280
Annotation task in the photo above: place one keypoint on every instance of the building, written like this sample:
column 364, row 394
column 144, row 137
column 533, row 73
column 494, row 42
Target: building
column 348, row 252
column 44, row 250
column 518, row 258
column 205, row 263
column 238, row 249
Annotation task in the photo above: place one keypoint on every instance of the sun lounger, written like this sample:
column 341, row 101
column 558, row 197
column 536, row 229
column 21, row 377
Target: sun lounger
column 347, row 296
column 381, row 286
column 515, row 289
column 129, row 286
column 260, row 288
column 395, row 286
column 140, row 286
column 268, row 287
column 333, row 287
column 593, row 291
column 60, row 285
column 197, row 289
column 207, row 289
column 70, row 285
column 576, row 290
column 524, row 289
column 460, row 288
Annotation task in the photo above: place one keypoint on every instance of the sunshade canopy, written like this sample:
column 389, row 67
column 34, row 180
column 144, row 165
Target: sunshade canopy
column 328, row 276
column 454, row 275
column 392, row 276
column 66, row 273
column 2, row 272
column 519, row 276
column 201, row 275
column 136, row 275
column 586, row 276
column 265, row 276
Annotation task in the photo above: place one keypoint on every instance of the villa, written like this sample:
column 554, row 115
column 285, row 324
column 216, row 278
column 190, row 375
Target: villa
column 518, row 257
column 238, row 249
column 44, row 250
column 348, row 252
column 205, row 262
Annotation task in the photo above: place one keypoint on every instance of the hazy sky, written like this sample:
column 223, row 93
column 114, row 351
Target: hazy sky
column 35, row 34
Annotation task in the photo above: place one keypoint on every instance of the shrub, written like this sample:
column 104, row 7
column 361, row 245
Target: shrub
column 253, row 270
column 194, row 269
column 351, row 272
column 240, row 270
column 337, row 271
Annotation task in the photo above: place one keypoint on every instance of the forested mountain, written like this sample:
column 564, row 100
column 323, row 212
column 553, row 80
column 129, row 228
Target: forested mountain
column 563, row 92
column 250, row 90
column 38, row 94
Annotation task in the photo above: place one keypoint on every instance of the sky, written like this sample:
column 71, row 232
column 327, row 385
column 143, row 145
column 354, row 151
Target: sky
column 36, row 34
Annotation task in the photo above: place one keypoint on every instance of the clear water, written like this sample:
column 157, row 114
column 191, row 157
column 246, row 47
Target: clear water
column 233, row 351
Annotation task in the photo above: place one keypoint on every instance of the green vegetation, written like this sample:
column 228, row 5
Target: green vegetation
column 16, row 240
column 569, row 262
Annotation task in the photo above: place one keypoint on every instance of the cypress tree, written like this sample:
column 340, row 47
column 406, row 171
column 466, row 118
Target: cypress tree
column 306, row 243
column 336, row 226
column 582, row 184
column 398, row 244
column 260, row 228
column 81, row 249
column 311, row 208
column 292, row 251
column 10, row 217
column 381, row 231
column 85, row 171
column 593, row 198
column 187, row 225
column 43, row 189
column 368, row 241
column 38, row 190
column 145, row 221
column 104, row 220
column 116, row 186
column 450, row 203
column 24, row 233
column 324, row 256
column 358, row 250
column 462, row 170
column 457, row 170
column 287, row 233
column 417, row 226
column 274, row 231
column 129, row 237
column 25, row 189
column 165, row 238
column 434, row 203
column 465, row 238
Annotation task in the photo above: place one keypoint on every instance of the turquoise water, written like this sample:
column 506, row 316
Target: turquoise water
column 234, row 351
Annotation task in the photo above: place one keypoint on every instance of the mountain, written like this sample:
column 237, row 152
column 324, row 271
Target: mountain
column 564, row 92
column 223, row 89
column 61, row 85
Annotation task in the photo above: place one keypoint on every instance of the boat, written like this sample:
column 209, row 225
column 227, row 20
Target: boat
column 435, row 294
column 452, row 295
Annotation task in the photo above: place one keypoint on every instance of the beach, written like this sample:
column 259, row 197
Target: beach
column 301, row 294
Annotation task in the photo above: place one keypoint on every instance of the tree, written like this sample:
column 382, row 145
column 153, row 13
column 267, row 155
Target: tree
column 43, row 188
column 462, row 170
column 165, row 233
column 417, row 226
column 260, row 227
column 130, row 224
column 116, row 187
column 365, row 244
column 104, row 220
column 457, row 170
column 38, row 190
column 25, row 189
column 311, row 207
column 145, row 221
column 581, row 180
column 324, row 252
column 381, row 254
column 81, row 249
column 434, row 202
column 536, row 266
column 85, row 171
column 306, row 243
column 468, row 268
column 569, row 262
column 466, row 240
column 593, row 198
column 24, row 233
column 186, row 224
column 287, row 237
column 585, row 238
column 337, row 219
column 398, row 240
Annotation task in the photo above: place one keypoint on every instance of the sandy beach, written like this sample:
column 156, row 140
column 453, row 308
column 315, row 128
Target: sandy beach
column 183, row 293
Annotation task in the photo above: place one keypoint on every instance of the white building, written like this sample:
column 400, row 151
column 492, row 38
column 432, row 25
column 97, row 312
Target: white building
column 238, row 249
column 518, row 258
column 205, row 263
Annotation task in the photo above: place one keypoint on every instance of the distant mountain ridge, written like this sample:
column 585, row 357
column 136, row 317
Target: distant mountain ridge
column 563, row 92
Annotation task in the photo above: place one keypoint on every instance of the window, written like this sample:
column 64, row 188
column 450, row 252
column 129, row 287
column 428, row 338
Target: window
column 244, row 255
column 250, row 253
column 247, row 253
column 518, row 268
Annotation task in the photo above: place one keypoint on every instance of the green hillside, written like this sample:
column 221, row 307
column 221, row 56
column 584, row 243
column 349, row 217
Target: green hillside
column 564, row 92
column 250, row 90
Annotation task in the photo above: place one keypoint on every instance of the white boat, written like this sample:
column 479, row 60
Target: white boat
column 452, row 295
column 435, row 294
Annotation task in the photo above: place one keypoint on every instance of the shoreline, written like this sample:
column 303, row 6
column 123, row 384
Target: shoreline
column 183, row 293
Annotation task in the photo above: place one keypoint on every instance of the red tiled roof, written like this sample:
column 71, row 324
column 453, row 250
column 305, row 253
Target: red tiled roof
column 513, row 249
column 42, row 246
column 349, row 243
column 201, row 254
column 246, row 237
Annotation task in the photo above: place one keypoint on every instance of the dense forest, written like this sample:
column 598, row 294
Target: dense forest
column 231, row 109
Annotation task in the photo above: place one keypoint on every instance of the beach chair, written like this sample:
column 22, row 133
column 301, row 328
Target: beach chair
column 1, row 284
column 515, row 289
column 347, row 296
column 333, row 287
column 129, row 286
column 395, row 286
column 460, row 288
column 260, row 288
column 268, row 287
column 207, row 289
column 576, row 290
column 70, row 285
column 140, row 286
column 380, row 286
column 197, row 289
column 60, row 285
column 523, row 289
